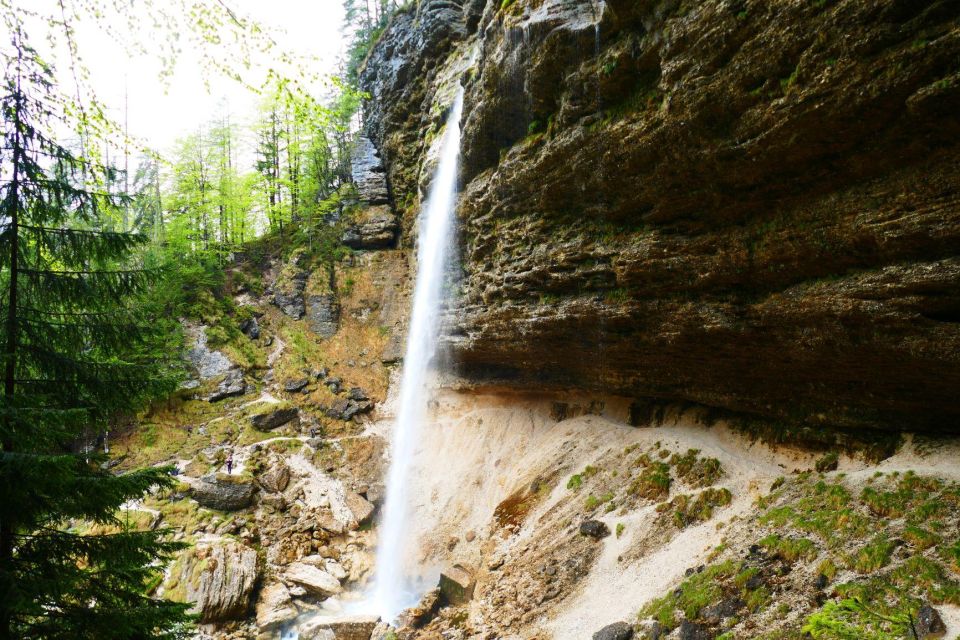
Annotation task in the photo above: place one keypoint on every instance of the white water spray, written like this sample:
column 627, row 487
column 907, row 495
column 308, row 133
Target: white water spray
column 394, row 590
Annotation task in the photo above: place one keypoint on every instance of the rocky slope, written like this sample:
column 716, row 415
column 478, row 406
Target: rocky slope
column 740, row 204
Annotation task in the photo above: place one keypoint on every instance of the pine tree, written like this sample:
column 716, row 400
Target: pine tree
column 73, row 354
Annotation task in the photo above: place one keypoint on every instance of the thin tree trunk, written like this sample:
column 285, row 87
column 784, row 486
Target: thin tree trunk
column 10, row 368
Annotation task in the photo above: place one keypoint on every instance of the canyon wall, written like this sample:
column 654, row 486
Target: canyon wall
column 747, row 205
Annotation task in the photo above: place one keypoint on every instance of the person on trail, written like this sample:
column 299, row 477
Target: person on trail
column 229, row 464
column 313, row 432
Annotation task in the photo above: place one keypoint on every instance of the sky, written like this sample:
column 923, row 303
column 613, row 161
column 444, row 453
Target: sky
column 160, row 112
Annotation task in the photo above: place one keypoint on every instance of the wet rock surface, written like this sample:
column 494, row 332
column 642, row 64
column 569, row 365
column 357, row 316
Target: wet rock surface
column 725, row 226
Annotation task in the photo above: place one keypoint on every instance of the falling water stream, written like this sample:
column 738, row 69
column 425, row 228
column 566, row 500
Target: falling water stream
column 395, row 590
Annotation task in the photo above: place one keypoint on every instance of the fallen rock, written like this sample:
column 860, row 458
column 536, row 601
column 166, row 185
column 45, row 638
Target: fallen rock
column 296, row 386
column 692, row 631
column 270, row 419
column 929, row 623
column 315, row 580
column 345, row 409
column 274, row 607
column 251, row 328
column 223, row 495
column 650, row 630
column 594, row 529
column 423, row 612
column 615, row 631
column 276, row 478
column 375, row 494
column 456, row 585
column 343, row 628
column 361, row 508
column 219, row 580
column 358, row 394
column 231, row 386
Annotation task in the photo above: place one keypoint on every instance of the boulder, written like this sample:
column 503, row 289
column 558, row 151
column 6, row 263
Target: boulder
column 423, row 612
column 219, row 580
column 231, row 386
column 345, row 409
column 342, row 628
column 594, row 529
column 929, row 623
column 359, row 507
column 456, row 585
column 358, row 394
column 251, row 328
column 615, row 631
column 222, row 495
column 275, row 479
column 270, row 419
column 323, row 314
column 315, row 580
column 274, row 606
column 693, row 631
column 296, row 386
column 375, row 494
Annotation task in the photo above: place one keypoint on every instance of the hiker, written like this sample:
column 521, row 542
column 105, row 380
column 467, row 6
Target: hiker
column 229, row 464
column 313, row 432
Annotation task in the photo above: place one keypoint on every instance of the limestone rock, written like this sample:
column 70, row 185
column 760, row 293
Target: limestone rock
column 251, row 328
column 223, row 495
column 615, row 631
column 231, row 386
column 368, row 172
column 375, row 228
column 289, row 286
column 341, row 628
column 269, row 419
column 323, row 314
column 274, row 606
column 296, row 385
column 359, row 507
column 647, row 249
column 275, row 479
column 207, row 362
column 219, row 580
column 929, row 623
column 456, row 585
column 315, row 580
column 594, row 529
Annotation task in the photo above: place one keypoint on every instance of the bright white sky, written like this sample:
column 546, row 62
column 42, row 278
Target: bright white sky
column 160, row 112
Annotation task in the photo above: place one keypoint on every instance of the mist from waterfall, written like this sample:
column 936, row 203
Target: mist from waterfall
column 394, row 590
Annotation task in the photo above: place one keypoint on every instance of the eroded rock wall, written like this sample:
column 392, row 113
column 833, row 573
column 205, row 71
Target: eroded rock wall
column 748, row 205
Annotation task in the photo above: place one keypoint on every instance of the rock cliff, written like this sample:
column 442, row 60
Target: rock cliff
column 742, row 204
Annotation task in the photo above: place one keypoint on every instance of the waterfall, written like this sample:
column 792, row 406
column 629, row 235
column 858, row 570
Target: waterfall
column 393, row 590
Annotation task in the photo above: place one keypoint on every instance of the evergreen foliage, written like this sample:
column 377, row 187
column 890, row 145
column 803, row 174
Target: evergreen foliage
column 75, row 353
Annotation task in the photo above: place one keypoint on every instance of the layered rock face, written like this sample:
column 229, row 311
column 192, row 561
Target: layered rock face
column 747, row 205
